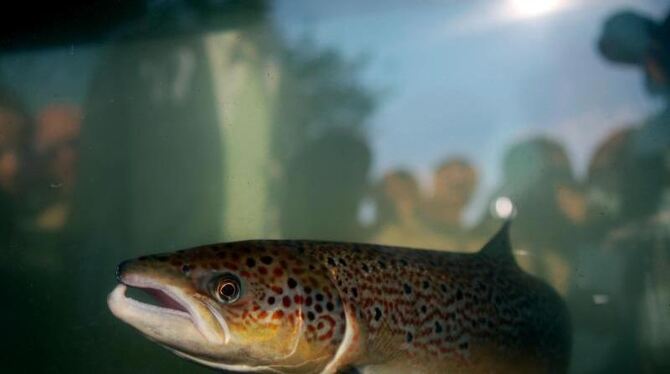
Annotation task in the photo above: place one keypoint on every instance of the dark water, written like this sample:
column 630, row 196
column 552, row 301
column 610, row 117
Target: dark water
column 153, row 127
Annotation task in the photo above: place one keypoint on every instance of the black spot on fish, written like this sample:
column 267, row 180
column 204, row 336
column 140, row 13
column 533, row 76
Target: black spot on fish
column 331, row 262
column 378, row 314
column 318, row 308
column 409, row 337
column 425, row 285
column 463, row 345
column 459, row 295
column 403, row 262
column 319, row 297
column 424, row 309
column 310, row 316
column 342, row 262
column 292, row 283
column 407, row 288
column 267, row 260
column 185, row 268
column 271, row 300
column 382, row 265
column 365, row 268
column 438, row 327
column 443, row 287
column 330, row 307
column 308, row 290
column 251, row 262
column 354, row 291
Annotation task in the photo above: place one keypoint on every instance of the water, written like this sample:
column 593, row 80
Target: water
column 421, row 125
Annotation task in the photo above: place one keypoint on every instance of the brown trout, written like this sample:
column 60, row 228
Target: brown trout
column 283, row 306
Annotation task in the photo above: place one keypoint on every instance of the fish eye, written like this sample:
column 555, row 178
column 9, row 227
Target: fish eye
column 225, row 288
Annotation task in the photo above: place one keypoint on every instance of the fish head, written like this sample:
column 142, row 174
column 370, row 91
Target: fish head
column 247, row 306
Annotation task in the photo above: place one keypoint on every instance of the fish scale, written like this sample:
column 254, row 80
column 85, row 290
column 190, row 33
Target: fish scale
column 306, row 306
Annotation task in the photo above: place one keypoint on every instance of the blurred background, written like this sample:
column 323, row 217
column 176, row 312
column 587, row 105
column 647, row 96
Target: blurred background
column 144, row 126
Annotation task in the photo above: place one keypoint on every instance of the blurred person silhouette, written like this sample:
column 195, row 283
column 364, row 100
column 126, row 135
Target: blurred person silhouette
column 632, row 39
column 454, row 183
column 611, row 196
column 399, row 219
column 641, row 234
column 27, row 309
column 13, row 135
column 596, row 298
column 326, row 182
column 539, row 190
column 54, row 161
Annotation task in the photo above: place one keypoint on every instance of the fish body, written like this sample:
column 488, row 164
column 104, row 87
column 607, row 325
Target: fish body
column 308, row 307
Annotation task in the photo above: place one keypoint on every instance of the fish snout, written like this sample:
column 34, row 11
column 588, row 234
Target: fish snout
column 121, row 269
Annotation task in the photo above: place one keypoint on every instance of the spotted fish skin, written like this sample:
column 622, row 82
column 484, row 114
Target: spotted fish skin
column 310, row 307
column 424, row 311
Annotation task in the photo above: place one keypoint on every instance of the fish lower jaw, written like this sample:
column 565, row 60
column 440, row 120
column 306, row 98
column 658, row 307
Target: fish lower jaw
column 162, row 323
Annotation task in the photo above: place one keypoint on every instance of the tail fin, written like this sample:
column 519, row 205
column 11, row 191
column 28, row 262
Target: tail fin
column 499, row 246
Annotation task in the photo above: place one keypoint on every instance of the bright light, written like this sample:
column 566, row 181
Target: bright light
column 534, row 8
column 503, row 207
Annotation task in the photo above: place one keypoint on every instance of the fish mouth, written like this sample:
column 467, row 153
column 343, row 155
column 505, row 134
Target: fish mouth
column 176, row 314
column 164, row 302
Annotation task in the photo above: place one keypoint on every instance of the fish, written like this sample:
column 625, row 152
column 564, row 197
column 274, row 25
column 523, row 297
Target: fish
column 296, row 306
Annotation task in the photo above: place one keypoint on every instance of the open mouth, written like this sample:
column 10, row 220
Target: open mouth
column 154, row 297
column 137, row 293
column 156, row 308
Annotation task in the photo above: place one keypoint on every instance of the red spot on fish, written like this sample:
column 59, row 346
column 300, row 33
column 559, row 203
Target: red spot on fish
column 277, row 290
column 262, row 270
column 297, row 299
column 278, row 272
column 262, row 314
column 327, row 335
column 245, row 274
column 278, row 314
column 286, row 301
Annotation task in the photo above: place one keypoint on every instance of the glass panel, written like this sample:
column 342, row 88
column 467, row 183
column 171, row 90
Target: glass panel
column 149, row 128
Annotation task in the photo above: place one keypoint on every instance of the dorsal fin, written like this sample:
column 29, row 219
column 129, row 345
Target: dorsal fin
column 499, row 246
